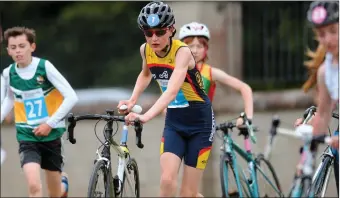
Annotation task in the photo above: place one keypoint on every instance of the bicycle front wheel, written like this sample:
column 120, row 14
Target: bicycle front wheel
column 100, row 167
column 270, row 178
column 228, row 179
column 131, row 189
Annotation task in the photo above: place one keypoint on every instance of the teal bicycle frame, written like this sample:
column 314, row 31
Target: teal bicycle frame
column 229, row 150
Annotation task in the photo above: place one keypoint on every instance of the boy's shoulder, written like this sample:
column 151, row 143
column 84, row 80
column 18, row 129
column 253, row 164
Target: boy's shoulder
column 45, row 61
column 38, row 59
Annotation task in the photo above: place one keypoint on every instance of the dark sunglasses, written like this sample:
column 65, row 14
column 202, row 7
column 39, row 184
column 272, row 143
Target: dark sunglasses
column 158, row 32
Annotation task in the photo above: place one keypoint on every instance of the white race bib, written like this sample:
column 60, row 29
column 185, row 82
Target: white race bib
column 35, row 106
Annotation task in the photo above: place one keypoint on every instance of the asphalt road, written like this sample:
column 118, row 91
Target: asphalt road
column 80, row 157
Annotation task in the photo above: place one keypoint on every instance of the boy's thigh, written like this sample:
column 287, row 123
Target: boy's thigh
column 29, row 152
column 51, row 155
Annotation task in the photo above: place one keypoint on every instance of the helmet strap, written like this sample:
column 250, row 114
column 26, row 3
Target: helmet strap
column 166, row 48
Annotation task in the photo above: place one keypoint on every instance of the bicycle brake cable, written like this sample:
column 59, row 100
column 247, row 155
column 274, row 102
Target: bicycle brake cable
column 95, row 132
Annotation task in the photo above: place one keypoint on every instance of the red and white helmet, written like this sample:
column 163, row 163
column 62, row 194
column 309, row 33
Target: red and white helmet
column 194, row 29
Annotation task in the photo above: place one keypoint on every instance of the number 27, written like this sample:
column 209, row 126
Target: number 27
column 34, row 106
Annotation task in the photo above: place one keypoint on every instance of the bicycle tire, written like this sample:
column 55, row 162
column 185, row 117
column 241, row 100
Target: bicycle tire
column 224, row 166
column 260, row 159
column 132, row 165
column 99, row 166
column 319, row 182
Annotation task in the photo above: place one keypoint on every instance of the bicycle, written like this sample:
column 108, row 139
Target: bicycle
column 302, row 182
column 114, row 186
column 228, row 161
column 321, row 176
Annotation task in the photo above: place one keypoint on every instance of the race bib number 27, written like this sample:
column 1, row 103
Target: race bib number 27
column 35, row 106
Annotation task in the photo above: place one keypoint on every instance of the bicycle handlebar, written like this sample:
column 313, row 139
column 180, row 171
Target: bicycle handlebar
column 230, row 125
column 246, row 129
column 73, row 119
column 311, row 142
column 311, row 111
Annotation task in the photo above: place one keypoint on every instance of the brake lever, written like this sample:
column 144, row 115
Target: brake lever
column 250, row 128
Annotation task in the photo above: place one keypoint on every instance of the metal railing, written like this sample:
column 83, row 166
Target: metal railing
column 275, row 39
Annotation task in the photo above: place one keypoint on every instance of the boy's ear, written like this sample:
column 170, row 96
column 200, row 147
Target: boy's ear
column 33, row 47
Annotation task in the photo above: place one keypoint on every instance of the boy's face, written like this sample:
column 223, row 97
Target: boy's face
column 20, row 49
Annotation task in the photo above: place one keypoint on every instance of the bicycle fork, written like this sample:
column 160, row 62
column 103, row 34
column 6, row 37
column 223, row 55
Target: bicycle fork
column 329, row 171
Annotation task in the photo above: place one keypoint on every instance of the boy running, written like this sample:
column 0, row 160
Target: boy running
column 41, row 97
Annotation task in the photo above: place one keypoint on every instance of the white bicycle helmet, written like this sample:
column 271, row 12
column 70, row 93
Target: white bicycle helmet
column 194, row 29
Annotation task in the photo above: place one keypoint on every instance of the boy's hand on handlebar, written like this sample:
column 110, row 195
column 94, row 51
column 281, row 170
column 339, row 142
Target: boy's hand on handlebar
column 298, row 122
column 129, row 105
column 131, row 117
column 239, row 122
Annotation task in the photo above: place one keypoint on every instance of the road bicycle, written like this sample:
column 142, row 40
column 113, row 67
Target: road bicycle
column 114, row 186
column 247, row 184
column 321, row 176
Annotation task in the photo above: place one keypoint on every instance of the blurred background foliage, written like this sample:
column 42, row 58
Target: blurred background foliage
column 96, row 44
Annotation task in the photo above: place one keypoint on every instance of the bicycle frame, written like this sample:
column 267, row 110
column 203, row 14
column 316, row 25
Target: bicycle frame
column 113, row 185
column 123, row 155
column 305, row 169
column 230, row 148
column 327, row 153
